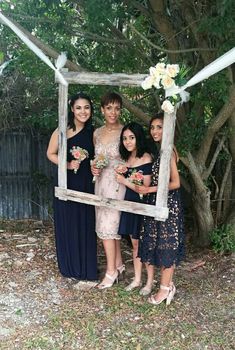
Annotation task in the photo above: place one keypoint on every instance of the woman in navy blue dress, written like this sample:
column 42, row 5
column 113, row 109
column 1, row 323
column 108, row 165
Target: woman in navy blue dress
column 138, row 168
column 162, row 243
column 75, row 222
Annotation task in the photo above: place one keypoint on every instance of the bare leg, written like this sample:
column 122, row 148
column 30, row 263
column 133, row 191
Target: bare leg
column 166, row 279
column 136, row 261
column 146, row 290
column 150, row 276
column 118, row 253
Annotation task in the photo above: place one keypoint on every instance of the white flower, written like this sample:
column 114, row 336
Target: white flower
column 160, row 68
column 148, row 82
column 167, row 106
column 172, row 70
column 153, row 72
column 156, row 82
column 167, row 82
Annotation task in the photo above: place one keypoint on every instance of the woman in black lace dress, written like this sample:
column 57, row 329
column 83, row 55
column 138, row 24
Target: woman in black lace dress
column 161, row 243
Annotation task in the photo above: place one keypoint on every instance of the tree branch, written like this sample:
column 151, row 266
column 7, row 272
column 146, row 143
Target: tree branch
column 208, row 171
column 164, row 26
column 159, row 48
column 188, row 14
column 99, row 38
column 120, row 35
column 46, row 48
column 74, row 67
column 222, row 187
column 135, row 110
column 223, row 115
column 138, row 6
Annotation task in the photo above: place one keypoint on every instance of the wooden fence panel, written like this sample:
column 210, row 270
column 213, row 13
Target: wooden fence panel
column 25, row 176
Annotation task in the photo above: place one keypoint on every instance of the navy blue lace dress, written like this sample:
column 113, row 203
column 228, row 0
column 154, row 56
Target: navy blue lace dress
column 162, row 243
column 130, row 223
column 75, row 222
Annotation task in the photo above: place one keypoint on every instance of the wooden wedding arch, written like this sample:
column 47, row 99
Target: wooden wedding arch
column 160, row 210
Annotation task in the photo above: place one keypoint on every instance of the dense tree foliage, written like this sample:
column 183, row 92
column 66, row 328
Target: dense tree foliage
column 130, row 36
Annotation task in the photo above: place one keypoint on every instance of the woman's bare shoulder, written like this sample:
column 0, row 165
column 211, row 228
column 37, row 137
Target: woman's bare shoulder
column 147, row 158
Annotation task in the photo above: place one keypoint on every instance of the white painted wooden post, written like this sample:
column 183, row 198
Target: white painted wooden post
column 62, row 152
column 164, row 170
column 94, row 78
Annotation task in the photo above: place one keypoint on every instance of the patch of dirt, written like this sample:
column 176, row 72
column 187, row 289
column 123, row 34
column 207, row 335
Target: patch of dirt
column 39, row 309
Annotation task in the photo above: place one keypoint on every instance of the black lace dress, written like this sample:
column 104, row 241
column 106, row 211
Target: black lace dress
column 162, row 243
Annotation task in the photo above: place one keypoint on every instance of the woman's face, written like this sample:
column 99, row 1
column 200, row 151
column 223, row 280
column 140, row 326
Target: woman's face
column 156, row 129
column 81, row 110
column 111, row 112
column 129, row 140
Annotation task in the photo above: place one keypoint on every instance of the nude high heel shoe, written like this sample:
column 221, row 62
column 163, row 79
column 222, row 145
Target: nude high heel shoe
column 168, row 299
column 133, row 285
column 171, row 294
column 145, row 291
column 121, row 270
column 113, row 278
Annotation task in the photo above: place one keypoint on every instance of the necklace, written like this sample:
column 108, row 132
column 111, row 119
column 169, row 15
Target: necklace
column 111, row 129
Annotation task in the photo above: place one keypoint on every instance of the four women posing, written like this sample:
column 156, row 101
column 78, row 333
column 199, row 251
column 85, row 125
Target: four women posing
column 130, row 172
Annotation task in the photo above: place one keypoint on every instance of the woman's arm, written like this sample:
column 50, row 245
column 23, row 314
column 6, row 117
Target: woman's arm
column 174, row 173
column 174, row 179
column 95, row 171
column 52, row 152
column 122, row 180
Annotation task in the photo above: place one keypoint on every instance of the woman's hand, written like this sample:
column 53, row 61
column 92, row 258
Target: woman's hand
column 95, row 171
column 141, row 189
column 120, row 178
column 121, row 168
column 73, row 165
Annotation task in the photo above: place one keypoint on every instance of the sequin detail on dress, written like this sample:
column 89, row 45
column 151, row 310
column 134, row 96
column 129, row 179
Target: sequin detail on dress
column 107, row 220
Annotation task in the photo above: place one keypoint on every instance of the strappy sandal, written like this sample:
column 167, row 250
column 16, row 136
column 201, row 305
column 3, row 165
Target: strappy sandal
column 113, row 278
column 171, row 294
column 145, row 291
column 121, row 270
column 168, row 297
column 133, row 285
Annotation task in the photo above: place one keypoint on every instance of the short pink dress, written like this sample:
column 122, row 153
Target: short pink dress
column 107, row 220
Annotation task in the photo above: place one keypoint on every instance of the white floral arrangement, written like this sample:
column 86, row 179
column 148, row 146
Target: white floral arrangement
column 168, row 77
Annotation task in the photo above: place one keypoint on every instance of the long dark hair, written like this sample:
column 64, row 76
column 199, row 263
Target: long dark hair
column 73, row 99
column 141, row 141
column 111, row 97
column 154, row 147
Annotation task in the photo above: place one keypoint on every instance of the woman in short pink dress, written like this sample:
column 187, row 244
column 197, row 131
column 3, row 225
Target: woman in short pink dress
column 106, row 140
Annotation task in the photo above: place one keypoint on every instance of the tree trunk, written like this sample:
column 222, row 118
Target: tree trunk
column 200, row 203
column 204, row 218
column 231, row 220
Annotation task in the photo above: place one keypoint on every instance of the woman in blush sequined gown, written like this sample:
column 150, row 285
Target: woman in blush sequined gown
column 75, row 222
column 134, row 151
column 162, row 243
column 106, row 140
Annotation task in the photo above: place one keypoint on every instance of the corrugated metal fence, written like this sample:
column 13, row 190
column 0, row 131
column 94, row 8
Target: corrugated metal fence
column 26, row 189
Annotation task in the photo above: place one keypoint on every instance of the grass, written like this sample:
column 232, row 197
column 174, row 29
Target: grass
column 128, row 323
column 200, row 318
